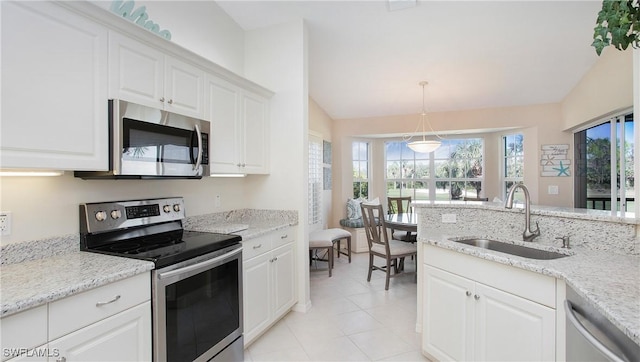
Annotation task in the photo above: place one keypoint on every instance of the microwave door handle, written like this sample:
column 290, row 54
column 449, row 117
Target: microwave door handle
column 199, row 159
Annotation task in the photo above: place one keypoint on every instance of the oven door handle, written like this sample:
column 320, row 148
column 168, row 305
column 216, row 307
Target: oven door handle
column 199, row 159
column 201, row 265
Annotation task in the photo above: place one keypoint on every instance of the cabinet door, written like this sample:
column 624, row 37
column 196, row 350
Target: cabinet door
column 257, row 305
column 123, row 337
column 283, row 279
column 500, row 316
column 184, row 88
column 136, row 71
column 226, row 132
column 256, row 134
column 54, row 88
column 447, row 315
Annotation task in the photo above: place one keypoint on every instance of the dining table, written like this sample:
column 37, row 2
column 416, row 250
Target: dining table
column 405, row 222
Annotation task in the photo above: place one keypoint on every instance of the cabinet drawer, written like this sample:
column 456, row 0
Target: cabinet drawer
column 257, row 246
column 283, row 236
column 26, row 329
column 74, row 312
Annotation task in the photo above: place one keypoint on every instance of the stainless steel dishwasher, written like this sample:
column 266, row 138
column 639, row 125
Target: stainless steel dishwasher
column 592, row 337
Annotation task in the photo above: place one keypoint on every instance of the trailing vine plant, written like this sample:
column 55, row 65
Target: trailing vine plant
column 618, row 24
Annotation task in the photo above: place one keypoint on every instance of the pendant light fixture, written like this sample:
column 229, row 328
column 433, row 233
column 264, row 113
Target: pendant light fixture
column 424, row 145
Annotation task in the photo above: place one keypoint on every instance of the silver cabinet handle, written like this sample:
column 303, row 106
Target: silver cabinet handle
column 61, row 359
column 284, row 236
column 257, row 246
column 468, row 293
column 170, row 101
column 100, row 304
column 162, row 99
column 476, row 297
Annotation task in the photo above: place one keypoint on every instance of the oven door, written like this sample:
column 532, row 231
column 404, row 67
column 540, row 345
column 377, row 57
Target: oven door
column 152, row 142
column 197, row 306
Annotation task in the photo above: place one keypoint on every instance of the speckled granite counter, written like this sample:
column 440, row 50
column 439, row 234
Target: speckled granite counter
column 256, row 222
column 609, row 280
column 32, row 283
column 37, row 272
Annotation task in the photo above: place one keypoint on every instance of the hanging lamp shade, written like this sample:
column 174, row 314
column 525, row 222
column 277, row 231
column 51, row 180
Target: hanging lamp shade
column 424, row 146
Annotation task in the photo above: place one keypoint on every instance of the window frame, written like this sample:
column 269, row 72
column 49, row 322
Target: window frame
column 504, row 179
column 431, row 179
column 354, row 179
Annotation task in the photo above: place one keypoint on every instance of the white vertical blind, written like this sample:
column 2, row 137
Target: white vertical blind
column 315, row 181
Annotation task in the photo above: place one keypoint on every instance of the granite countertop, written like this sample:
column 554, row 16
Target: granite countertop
column 37, row 272
column 610, row 282
column 32, row 283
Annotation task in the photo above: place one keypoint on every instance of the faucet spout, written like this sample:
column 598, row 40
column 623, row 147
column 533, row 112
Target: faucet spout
column 528, row 234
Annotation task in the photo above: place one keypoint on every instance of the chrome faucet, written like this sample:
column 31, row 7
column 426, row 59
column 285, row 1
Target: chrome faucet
column 527, row 235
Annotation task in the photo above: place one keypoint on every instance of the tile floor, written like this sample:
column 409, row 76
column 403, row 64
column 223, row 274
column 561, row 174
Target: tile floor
column 350, row 320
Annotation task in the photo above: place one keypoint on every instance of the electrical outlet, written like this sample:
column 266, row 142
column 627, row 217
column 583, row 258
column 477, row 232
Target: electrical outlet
column 218, row 201
column 449, row 218
column 5, row 223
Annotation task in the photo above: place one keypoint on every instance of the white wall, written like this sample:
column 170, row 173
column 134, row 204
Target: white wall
column 276, row 57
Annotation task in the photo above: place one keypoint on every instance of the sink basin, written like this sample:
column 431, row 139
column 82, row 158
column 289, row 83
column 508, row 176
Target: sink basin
column 512, row 249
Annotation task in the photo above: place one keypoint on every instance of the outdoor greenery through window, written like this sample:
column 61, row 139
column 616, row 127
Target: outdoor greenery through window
column 360, row 170
column 513, row 163
column 451, row 172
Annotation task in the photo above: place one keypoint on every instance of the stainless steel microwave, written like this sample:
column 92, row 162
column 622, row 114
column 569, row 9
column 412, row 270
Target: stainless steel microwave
column 147, row 142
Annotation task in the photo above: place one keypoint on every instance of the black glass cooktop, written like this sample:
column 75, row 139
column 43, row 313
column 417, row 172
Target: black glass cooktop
column 167, row 248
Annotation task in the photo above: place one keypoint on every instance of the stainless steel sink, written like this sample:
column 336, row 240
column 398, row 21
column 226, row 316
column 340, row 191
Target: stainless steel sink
column 512, row 249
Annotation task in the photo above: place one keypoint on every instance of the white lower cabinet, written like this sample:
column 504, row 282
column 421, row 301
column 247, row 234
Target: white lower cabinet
column 125, row 336
column 108, row 323
column 269, row 289
column 464, row 319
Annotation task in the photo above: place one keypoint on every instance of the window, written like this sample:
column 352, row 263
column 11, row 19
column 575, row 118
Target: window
column 452, row 172
column 360, row 170
column 315, row 181
column 513, row 163
column 602, row 181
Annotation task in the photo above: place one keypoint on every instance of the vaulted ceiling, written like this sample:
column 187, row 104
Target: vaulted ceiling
column 366, row 60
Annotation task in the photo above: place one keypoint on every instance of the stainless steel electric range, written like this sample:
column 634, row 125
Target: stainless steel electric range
column 196, row 283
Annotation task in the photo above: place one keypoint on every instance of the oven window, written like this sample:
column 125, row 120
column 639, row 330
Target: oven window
column 151, row 142
column 201, row 311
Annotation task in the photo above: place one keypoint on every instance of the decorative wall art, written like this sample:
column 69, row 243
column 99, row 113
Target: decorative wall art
column 138, row 16
column 326, row 152
column 326, row 178
column 555, row 161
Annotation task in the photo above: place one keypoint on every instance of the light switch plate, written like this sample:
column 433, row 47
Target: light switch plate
column 449, row 218
column 5, row 223
column 553, row 189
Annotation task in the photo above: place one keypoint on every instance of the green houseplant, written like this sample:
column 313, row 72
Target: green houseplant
column 618, row 24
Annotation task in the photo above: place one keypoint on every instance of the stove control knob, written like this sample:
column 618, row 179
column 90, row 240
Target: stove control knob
column 176, row 207
column 116, row 214
column 166, row 209
column 101, row 216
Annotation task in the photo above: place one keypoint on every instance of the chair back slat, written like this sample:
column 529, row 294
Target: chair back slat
column 398, row 205
column 375, row 226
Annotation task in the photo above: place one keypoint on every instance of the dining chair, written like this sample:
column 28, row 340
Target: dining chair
column 392, row 251
column 400, row 205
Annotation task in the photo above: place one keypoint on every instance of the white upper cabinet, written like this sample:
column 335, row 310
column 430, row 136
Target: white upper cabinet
column 54, row 89
column 145, row 75
column 239, row 129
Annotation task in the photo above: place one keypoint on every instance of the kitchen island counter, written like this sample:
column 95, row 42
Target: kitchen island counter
column 603, row 265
